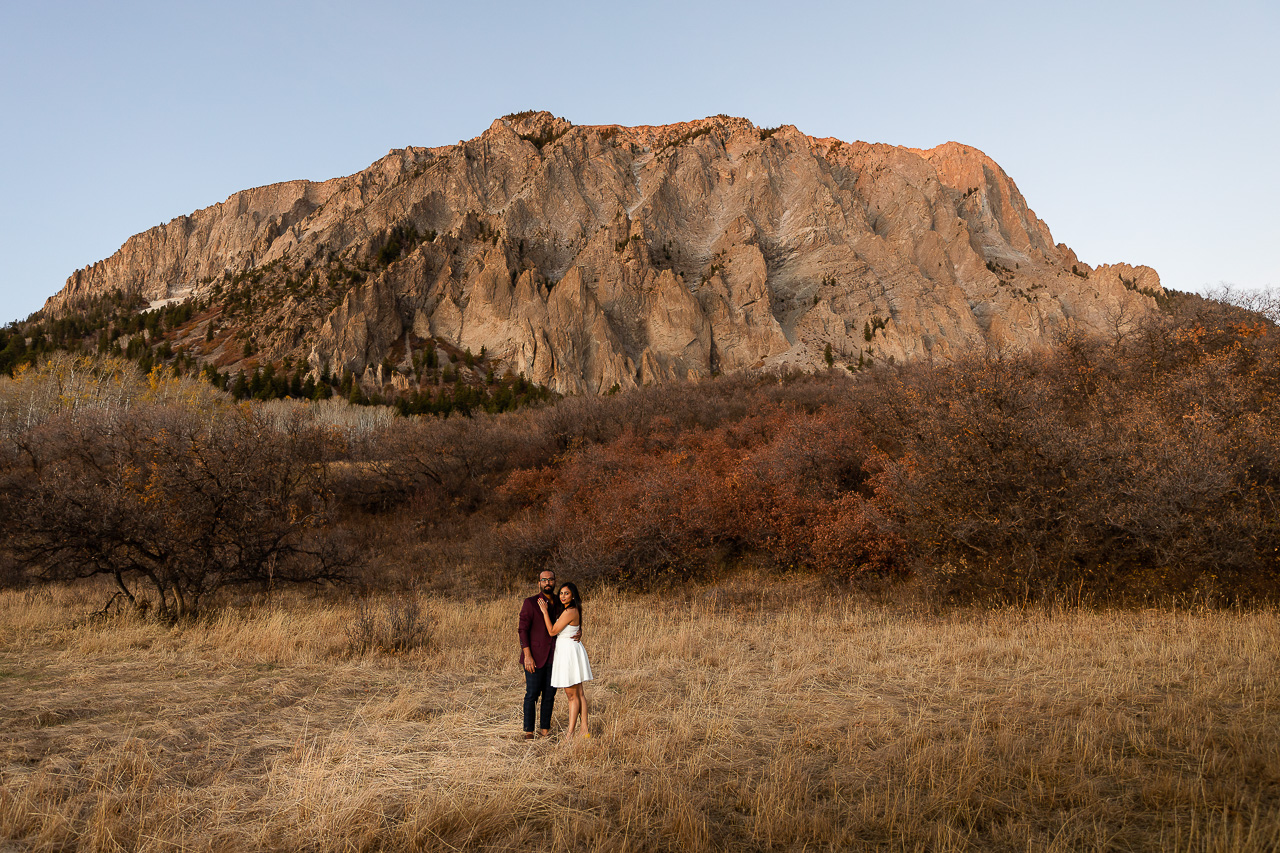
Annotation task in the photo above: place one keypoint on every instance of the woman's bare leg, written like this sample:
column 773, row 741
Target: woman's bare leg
column 572, row 693
column 582, row 698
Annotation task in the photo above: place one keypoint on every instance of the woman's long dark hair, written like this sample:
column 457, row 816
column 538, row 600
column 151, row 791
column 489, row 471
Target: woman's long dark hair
column 577, row 599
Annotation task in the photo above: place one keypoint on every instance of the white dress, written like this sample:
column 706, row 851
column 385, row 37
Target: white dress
column 569, row 666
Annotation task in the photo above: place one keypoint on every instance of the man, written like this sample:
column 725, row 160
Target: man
column 536, row 650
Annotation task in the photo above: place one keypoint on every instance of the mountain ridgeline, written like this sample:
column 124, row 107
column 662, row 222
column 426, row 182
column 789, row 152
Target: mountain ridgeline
column 589, row 258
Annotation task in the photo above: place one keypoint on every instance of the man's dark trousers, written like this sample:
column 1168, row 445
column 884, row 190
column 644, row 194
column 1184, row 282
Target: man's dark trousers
column 537, row 684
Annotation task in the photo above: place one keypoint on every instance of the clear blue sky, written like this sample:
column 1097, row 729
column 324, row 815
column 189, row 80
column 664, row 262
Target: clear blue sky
column 1140, row 132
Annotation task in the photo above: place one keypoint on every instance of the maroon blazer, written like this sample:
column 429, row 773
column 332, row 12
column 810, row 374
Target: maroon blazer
column 533, row 630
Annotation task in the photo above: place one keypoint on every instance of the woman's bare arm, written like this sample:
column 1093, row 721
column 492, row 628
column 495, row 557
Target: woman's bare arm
column 565, row 620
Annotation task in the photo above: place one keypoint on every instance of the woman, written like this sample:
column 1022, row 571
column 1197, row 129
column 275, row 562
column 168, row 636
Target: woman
column 569, row 667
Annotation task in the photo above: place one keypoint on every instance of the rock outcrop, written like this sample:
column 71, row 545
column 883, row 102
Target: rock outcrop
column 593, row 257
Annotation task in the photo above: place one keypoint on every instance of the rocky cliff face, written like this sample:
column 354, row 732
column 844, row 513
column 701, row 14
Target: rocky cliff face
column 589, row 257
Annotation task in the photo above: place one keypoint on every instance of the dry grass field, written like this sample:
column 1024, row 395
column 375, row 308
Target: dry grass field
column 736, row 717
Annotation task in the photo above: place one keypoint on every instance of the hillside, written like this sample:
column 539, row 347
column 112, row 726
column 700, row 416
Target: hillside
column 585, row 258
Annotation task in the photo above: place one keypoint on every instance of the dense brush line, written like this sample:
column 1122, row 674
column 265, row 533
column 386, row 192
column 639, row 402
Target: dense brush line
column 1142, row 467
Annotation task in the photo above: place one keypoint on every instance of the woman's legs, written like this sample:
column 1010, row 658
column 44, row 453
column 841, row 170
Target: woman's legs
column 582, row 699
column 573, row 693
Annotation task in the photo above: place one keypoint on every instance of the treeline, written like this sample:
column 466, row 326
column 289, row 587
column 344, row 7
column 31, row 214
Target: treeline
column 1137, row 468
column 97, row 325
column 113, row 324
column 437, row 380
column 435, row 390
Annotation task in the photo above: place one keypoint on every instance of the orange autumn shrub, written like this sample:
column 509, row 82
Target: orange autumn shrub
column 792, row 488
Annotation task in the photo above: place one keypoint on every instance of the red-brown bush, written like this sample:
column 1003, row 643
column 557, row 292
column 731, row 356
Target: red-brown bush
column 794, row 488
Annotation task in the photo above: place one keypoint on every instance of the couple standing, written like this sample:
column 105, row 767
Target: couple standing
column 547, row 666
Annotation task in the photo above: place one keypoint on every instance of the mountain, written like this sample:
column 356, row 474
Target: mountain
column 588, row 257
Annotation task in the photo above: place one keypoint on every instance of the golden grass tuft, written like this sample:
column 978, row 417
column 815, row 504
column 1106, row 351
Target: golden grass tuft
column 723, row 720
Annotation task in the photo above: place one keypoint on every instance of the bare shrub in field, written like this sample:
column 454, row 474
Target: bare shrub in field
column 171, row 498
column 743, row 716
column 395, row 626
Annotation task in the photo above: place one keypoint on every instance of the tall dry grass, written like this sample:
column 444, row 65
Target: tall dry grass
column 749, row 716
